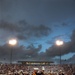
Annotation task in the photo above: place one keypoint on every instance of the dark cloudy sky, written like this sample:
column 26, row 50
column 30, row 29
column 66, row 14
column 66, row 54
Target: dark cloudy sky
column 37, row 24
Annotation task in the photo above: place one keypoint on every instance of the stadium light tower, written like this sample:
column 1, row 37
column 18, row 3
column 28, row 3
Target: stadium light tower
column 59, row 43
column 12, row 42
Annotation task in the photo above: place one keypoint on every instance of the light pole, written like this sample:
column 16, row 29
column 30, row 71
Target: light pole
column 12, row 42
column 59, row 43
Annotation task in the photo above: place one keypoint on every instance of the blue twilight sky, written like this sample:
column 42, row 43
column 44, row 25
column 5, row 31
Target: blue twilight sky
column 37, row 24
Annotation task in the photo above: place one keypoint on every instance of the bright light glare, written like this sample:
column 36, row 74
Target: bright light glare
column 13, row 42
column 58, row 42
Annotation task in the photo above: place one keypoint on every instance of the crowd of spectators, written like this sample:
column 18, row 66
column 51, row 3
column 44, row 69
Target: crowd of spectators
column 69, row 69
column 11, row 69
column 19, row 69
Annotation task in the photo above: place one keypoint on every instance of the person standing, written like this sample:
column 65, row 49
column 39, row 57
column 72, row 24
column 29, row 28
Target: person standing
column 73, row 73
column 35, row 71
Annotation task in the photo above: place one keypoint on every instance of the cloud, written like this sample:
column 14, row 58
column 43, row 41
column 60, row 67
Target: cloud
column 40, row 30
column 72, row 59
column 68, row 47
column 24, row 30
column 5, row 51
column 65, row 49
column 64, row 24
column 19, row 52
column 8, row 26
column 21, row 37
column 59, row 36
column 33, row 53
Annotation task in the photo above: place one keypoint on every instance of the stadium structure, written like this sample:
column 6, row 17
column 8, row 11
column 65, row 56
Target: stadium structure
column 36, row 63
